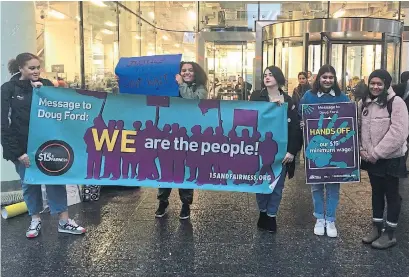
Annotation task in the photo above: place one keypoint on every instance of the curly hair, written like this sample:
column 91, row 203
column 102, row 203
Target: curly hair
column 316, row 87
column 20, row 61
column 200, row 74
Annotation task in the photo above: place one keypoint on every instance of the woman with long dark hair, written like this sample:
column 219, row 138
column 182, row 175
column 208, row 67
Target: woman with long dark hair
column 268, row 204
column 325, row 90
column 192, row 82
column 16, row 96
column 301, row 89
column 383, row 122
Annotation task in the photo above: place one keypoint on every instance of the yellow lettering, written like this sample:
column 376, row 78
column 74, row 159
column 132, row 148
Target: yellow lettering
column 99, row 141
column 125, row 141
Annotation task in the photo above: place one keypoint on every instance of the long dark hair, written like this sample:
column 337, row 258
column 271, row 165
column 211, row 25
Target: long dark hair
column 200, row 74
column 277, row 74
column 316, row 87
column 20, row 61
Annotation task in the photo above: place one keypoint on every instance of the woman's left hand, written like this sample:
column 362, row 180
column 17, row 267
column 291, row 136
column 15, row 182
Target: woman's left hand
column 36, row 84
column 278, row 102
column 289, row 158
column 371, row 159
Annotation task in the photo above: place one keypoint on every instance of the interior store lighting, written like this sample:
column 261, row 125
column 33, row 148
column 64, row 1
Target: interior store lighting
column 152, row 15
column 138, row 37
column 56, row 14
column 98, row 3
column 192, row 15
column 107, row 32
column 177, row 45
column 165, row 37
column 110, row 24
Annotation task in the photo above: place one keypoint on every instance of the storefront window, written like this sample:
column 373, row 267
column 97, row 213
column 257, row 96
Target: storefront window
column 238, row 16
column 293, row 10
column 130, row 37
column 58, row 43
column 100, row 45
column 378, row 9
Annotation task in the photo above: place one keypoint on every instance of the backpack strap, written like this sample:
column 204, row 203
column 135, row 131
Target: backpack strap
column 389, row 105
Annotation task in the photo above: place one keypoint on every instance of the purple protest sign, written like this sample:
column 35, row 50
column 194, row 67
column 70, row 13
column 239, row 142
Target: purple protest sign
column 331, row 143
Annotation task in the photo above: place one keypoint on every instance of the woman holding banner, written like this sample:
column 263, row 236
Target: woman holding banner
column 272, row 92
column 383, row 120
column 192, row 82
column 16, row 96
column 324, row 90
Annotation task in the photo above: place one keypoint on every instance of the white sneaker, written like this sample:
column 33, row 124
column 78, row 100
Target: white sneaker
column 331, row 229
column 70, row 227
column 34, row 229
column 319, row 228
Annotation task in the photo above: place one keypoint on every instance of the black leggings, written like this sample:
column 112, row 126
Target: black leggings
column 385, row 186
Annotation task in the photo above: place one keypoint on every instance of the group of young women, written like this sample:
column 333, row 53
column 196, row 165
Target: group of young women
column 383, row 130
column 383, row 127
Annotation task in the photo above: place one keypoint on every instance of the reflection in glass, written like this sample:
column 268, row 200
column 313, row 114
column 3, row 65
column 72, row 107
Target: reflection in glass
column 58, row 42
column 378, row 9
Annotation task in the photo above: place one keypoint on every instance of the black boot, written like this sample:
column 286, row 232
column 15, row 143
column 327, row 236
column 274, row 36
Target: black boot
column 262, row 220
column 386, row 240
column 271, row 224
column 374, row 234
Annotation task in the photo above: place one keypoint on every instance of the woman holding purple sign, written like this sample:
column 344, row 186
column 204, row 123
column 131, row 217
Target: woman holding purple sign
column 324, row 90
column 192, row 82
column 272, row 92
column 383, row 120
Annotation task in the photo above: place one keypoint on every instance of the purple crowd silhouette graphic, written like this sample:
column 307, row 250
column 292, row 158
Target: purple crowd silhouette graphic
column 172, row 165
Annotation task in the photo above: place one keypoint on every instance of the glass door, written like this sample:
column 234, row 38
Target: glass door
column 392, row 57
column 228, row 69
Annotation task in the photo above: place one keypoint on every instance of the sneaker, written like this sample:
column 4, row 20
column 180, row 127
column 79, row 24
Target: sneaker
column 331, row 229
column 70, row 227
column 34, row 229
column 185, row 212
column 319, row 228
column 161, row 211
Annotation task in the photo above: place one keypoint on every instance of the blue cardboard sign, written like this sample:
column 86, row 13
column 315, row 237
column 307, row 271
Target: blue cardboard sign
column 149, row 75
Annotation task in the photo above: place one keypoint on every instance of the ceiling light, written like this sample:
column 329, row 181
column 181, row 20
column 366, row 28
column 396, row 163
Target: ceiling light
column 177, row 45
column 107, row 32
column 152, row 14
column 192, row 15
column 339, row 13
column 56, row 14
column 98, row 3
column 78, row 18
column 110, row 24
column 138, row 37
column 165, row 37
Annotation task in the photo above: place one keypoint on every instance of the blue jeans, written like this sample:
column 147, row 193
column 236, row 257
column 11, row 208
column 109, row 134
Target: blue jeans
column 332, row 193
column 270, row 202
column 56, row 195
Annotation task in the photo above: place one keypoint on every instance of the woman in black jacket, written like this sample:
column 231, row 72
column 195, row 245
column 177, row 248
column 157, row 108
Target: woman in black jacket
column 16, row 96
column 268, row 203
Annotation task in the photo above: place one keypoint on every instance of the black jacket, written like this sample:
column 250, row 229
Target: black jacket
column 399, row 89
column 16, row 98
column 294, row 131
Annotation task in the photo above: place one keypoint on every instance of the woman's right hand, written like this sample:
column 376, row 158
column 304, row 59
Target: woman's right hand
column 179, row 79
column 24, row 159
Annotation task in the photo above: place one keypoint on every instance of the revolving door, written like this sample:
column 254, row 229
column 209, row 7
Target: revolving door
column 353, row 46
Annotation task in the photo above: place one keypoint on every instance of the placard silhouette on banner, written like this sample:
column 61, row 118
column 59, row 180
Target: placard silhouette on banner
column 155, row 141
column 149, row 75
